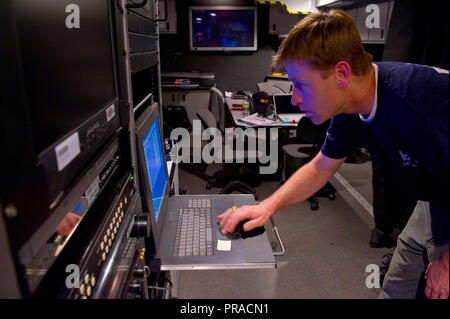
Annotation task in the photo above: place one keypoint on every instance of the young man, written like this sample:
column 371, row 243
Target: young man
column 399, row 112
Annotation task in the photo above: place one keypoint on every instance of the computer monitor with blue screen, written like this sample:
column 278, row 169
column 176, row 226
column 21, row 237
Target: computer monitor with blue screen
column 152, row 168
column 223, row 28
column 177, row 242
column 154, row 159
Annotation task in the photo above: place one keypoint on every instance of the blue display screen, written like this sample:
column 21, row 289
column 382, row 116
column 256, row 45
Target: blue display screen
column 156, row 170
column 223, row 28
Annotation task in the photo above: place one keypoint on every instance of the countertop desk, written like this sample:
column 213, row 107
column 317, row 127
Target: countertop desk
column 236, row 109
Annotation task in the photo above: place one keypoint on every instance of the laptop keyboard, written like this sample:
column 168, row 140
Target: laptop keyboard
column 194, row 229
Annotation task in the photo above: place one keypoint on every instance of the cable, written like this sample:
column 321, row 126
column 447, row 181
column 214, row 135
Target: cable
column 162, row 288
column 167, row 290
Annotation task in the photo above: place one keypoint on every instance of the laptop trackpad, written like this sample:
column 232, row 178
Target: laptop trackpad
column 254, row 242
column 256, row 247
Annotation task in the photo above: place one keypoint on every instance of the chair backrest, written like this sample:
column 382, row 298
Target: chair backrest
column 217, row 107
column 206, row 118
column 309, row 133
column 217, row 114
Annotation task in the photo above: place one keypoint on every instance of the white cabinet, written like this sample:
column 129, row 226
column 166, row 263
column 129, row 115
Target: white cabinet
column 359, row 15
column 379, row 34
column 372, row 20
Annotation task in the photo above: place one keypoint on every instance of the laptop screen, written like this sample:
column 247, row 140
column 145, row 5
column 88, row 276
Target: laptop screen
column 283, row 104
column 154, row 159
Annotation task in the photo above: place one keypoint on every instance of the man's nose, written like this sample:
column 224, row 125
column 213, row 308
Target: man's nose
column 296, row 99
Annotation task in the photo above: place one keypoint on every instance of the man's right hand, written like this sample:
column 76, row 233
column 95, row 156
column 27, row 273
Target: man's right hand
column 257, row 215
column 304, row 183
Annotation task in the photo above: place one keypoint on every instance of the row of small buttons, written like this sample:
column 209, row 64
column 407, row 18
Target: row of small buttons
column 111, row 231
column 199, row 203
column 194, row 233
column 89, row 281
column 87, row 285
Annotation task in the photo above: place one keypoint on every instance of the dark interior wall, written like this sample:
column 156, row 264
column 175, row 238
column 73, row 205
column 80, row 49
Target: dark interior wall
column 376, row 50
column 233, row 71
column 417, row 35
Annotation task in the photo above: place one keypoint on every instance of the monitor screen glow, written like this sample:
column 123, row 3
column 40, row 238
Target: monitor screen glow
column 156, row 169
column 223, row 29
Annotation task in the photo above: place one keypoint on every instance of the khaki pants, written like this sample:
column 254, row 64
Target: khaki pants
column 424, row 239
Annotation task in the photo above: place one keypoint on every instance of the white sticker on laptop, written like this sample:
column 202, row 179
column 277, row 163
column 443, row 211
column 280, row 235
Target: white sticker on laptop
column 224, row 245
column 67, row 151
column 110, row 112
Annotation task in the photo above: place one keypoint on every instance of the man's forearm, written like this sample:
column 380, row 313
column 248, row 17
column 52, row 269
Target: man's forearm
column 305, row 182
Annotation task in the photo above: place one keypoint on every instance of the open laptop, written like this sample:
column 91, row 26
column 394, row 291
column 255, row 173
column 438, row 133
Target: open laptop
column 185, row 228
column 286, row 112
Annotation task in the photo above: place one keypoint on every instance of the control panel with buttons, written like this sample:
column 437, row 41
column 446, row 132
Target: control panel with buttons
column 101, row 248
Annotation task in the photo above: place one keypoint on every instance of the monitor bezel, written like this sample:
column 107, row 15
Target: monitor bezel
column 224, row 8
column 143, row 125
column 49, row 186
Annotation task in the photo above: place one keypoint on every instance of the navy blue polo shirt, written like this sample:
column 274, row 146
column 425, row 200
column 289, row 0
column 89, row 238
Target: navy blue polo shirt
column 407, row 134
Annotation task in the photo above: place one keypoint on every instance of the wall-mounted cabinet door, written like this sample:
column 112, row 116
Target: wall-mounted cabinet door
column 359, row 15
column 169, row 26
column 372, row 20
column 281, row 21
column 379, row 34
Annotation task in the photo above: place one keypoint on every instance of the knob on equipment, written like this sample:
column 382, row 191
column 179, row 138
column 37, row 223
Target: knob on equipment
column 141, row 226
column 135, row 287
column 141, row 272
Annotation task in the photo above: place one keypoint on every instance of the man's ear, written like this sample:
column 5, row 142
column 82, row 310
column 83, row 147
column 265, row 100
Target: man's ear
column 342, row 72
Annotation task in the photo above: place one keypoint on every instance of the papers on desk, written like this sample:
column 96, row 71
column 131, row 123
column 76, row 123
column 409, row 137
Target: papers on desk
column 236, row 109
column 255, row 120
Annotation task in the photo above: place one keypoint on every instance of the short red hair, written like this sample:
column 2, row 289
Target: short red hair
column 323, row 39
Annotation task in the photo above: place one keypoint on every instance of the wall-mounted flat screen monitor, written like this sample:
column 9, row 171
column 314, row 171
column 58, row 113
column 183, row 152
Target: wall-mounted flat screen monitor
column 223, row 28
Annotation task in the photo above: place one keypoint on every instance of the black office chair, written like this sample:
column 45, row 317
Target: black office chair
column 310, row 138
column 233, row 177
